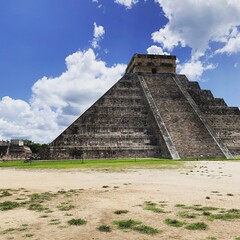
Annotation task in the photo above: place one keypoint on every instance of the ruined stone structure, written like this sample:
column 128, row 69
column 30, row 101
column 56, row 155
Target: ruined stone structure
column 13, row 150
column 152, row 112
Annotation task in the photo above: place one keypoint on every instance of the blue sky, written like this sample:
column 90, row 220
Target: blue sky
column 57, row 57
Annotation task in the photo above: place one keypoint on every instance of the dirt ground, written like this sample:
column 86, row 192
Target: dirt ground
column 48, row 199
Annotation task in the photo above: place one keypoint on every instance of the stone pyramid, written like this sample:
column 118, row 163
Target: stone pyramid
column 152, row 112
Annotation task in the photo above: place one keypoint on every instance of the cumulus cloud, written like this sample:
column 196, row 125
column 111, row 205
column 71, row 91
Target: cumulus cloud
column 98, row 34
column 194, row 69
column 198, row 23
column 127, row 3
column 232, row 45
column 57, row 102
column 156, row 50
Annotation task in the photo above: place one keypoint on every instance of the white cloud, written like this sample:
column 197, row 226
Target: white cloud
column 197, row 23
column 57, row 102
column 232, row 45
column 98, row 34
column 194, row 69
column 127, row 3
column 156, row 50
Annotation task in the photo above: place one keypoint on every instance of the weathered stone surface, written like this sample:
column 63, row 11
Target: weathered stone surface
column 152, row 112
column 13, row 150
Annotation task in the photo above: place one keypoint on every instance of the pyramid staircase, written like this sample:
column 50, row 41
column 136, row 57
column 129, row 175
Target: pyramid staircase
column 152, row 112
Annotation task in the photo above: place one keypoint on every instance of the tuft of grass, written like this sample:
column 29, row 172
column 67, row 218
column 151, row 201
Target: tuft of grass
column 180, row 205
column 151, row 206
column 229, row 215
column 104, row 228
column 119, row 212
column 65, row 206
column 237, row 238
column 198, row 207
column 5, row 193
column 146, row 229
column 187, row 214
column 29, row 235
column 197, row 226
column 36, row 207
column 126, row 224
column 77, row 222
column 230, row 194
column 40, row 198
column 173, row 222
column 105, row 186
column 54, row 222
column 8, row 205
column 8, row 230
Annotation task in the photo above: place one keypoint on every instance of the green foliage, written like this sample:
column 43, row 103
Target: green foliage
column 40, row 198
column 113, row 164
column 197, row 226
column 118, row 212
column 36, row 207
column 187, row 214
column 126, row 224
column 146, row 229
column 5, row 193
column 8, row 230
column 77, row 222
column 173, row 222
column 104, row 228
column 8, row 205
column 228, row 215
column 65, row 206
column 36, row 148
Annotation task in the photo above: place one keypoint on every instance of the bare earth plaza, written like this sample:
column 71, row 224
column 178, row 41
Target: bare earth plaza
column 156, row 157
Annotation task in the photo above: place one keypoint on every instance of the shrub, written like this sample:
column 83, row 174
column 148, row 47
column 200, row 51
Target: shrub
column 173, row 222
column 146, row 229
column 77, row 222
column 126, row 224
column 8, row 205
column 104, row 228
column 197, row 226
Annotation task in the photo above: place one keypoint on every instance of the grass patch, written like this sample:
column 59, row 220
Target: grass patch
column 152, row 163
column 119, row 212
column 230, row 214
column 104, row 228
column 36, row 207
column 29, row 235
column 126, row 224
column 197, row 226
column 9, row 230
column 8, row 205
column 187, row 214
column 173, row 222
column 197, row 207
column 5, row 193
column 65, row 206
column 154, row 209
column 40, row 198
column 146, row 229
column 77, row 222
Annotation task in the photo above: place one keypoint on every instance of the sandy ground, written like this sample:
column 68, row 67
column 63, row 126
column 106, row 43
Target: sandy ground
column 96, row 195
